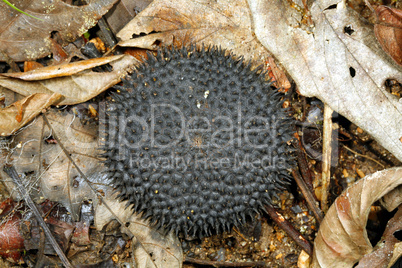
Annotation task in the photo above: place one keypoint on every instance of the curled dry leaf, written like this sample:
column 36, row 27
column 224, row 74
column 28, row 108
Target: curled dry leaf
column 389, row 31
column 61, row 70
column 21, row 112
column 25, row 38
column 225, row 23
column 342, row 238
column 384, row 250
column 77, row 88
column 151, row 247
column 338, row 61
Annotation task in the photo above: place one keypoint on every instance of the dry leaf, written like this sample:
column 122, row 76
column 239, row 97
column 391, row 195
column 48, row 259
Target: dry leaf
column 21, row 112
column 25, row 38
column 397, row 254
column 123, row 11
column 389, row 31
column 76, row 88
column 383, row 251
column 151, row 247
column 338, row 61
column 11, row 239
column 31, row 65
column 225, row 23
column 392, row 200
column 279, row 76
column 48, row 165
column 342, row 238
column 62, row 70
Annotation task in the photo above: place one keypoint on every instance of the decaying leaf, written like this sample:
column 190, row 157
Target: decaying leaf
column 48, row 165
column 224, row 23
column 338, row 61
column 124, row 10
column 151, row 247
column 383, row 251
column 11, row 239
column 25, row 38
column 77, row 88
column 389, row 31
column 21, row 112
column 61, row 70
column 342, row 238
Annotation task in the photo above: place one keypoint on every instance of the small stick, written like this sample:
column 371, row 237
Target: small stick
column 225, row 264
column 41, row 250
column 303, row 165
column 362, row 155
column 10, row 170
column 311, row 201
column 289, row 229
column 326, row 156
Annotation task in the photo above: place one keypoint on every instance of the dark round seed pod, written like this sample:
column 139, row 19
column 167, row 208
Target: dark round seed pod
column 197, row 141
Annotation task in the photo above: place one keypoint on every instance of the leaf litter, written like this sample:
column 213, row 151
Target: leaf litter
column 160, row 32
column 25, row 38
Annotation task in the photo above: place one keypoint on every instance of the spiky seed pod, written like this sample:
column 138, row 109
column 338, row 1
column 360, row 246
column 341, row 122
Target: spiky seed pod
column 197, row 141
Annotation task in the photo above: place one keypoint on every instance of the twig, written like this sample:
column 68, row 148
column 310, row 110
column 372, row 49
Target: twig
column 289, row 229
column 304, row 183
column 326, row 156
column 226, row 264
column 303, row 166
column 311, row 202
column 41, row 250
column 10, row 170
column 362, row 155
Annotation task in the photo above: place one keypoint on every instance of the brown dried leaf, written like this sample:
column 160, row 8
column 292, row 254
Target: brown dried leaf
column 383, row 251
column 338, row 61
column 279, row 76
column 77, row 88
column 224, row 23
column 25, row 38
column 49, row 167
column 21, row 112
column 389, row 31
column 342, row 238
column 11, row 239
column 166, row 248
column 123, row 11
column 61, row 70
column 392, row 200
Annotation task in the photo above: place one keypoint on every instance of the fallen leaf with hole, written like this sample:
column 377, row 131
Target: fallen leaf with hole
column 338, row 61
column 26, row 38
